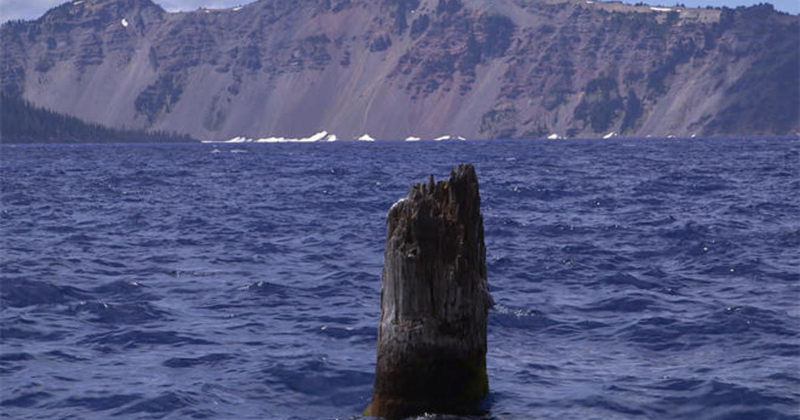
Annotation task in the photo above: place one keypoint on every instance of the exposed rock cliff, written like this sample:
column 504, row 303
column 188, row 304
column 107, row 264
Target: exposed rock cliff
column 397, row 68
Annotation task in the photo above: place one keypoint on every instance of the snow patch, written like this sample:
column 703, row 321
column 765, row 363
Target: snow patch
column 78, row 2
column 554, row 136
column 124, row 22
column 610, row 135
column 322, row 136
column 236, row 9
column 661, row 9
column 325, row 136
column 316, row 137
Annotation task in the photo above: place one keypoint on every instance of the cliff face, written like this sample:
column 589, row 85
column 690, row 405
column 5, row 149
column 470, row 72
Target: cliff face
column 397, row 68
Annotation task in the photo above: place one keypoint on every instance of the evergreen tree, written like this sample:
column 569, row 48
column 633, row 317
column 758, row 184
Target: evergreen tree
column 22, row 122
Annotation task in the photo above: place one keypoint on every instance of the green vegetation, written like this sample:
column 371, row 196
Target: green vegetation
column 402, row 7
column 22, row 122
column 161, row 95
column 494, row 33
column 633, row 111
column 499, row 123
column 419, row 26
column 600, row 105
column 448, row 6
column 381, row 43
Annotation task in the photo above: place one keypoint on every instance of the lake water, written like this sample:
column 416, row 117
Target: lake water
column 652, row 279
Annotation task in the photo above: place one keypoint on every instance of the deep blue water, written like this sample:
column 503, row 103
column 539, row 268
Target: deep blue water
column 648, row 279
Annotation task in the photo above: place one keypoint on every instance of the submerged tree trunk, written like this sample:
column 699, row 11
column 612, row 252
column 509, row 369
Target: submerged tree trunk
column 434, row 303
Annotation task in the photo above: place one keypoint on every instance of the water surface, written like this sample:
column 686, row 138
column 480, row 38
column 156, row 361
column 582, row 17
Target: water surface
column 648, row 279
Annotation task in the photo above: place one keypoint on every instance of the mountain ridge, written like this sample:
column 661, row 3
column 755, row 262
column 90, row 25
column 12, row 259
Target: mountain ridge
column 400, row 68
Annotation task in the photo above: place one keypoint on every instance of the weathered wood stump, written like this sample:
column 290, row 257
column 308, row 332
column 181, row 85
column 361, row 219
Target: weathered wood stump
column 434, row 303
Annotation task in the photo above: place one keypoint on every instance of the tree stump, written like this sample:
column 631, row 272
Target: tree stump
column 434, row 303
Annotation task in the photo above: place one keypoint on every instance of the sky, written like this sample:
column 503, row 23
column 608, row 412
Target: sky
column 32, row 9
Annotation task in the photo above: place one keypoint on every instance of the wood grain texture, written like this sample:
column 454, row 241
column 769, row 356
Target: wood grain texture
column 434, row 302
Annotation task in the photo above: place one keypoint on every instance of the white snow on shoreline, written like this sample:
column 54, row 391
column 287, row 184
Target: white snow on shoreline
column 554, row 136
column 124, row 22
column 610, row 135
column 322, row 136
column 316, row 137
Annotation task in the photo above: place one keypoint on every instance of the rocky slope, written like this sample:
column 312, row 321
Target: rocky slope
column 399, row 68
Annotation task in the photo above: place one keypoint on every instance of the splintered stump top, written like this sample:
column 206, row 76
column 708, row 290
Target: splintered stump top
column 434, row 302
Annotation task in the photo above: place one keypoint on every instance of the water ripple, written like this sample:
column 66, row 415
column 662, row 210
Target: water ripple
column 632, row 279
